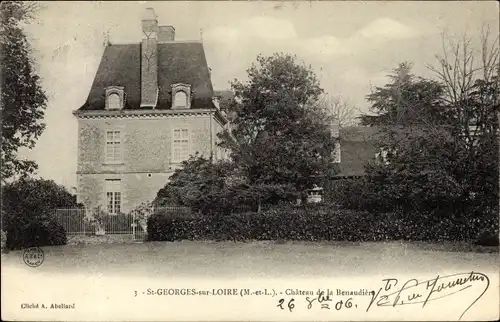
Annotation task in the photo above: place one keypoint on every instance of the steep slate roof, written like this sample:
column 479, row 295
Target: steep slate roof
column 356, row 149
column 178, row 62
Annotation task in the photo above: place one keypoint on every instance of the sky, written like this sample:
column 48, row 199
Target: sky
column 351, row 46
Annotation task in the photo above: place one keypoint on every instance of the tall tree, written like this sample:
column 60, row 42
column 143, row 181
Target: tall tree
column 440, row 137
column 280, row 135
column 472, row 95
column 417, row 160
column 23, row 100
column 405, row 100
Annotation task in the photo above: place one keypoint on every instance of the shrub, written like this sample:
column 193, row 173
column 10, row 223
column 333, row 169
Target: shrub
column 487, row 238
column 488, row 228
column 164, row 226
column 315, row 223
column 28, row 212
column 358, row 194
column 26, row 231
column 35, row 195
column 4, row 239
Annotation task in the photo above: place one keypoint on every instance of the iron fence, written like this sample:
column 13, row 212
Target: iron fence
column 87, row 222
column 74, row 221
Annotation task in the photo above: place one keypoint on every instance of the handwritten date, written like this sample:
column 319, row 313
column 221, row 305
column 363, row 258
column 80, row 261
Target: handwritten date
column 324, row 301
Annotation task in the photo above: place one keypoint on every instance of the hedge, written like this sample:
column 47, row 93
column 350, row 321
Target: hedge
column 4, row 240
column 25, row 231
column 318, row 224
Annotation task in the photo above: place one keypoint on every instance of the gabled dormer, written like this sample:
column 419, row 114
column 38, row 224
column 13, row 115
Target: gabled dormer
column 181, row 96
column 115, row 98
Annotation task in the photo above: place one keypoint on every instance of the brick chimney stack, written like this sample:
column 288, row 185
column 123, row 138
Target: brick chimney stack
column 335, row 127
column 149, row 59
column 336, row 135
column 166, row 34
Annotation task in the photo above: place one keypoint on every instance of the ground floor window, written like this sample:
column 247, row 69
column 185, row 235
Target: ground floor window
column 113, row 196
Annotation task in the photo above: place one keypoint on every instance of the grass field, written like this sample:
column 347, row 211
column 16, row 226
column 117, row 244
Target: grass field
column 230, row 259
column 111, row 281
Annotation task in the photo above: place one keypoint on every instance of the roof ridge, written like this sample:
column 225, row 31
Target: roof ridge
column 181, row 42
column 124, row 44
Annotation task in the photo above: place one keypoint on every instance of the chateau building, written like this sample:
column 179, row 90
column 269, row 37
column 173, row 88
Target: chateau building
column 151, row 106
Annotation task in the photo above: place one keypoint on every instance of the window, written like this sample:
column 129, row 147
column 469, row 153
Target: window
column 113, row 146
column 181, row 96
column 114, row 101
column 113, row 196
column 180, row 147
column 180, row 100
column 115, row 97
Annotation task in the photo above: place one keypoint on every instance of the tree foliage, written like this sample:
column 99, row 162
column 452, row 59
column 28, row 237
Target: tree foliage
column 280, row 143
column 418, row 159
column 471, row 81
column 35, row 197
column 280, row 135
column 439, row 137
column 208, row 186
column 406, row 100
column 28, row 207
column 23, row 100
column 195, row 183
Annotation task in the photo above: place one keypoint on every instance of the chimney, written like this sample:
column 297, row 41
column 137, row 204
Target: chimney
column 166, row 34
column 149, row 59
column 336, row 135
column 335, row 128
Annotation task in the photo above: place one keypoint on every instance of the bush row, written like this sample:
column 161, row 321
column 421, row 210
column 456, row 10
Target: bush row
column 319, row 224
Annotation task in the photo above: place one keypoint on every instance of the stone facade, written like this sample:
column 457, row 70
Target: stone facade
column 146, row 148
column 150, row 107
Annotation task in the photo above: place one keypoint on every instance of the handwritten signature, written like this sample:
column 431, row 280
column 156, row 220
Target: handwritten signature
column 415, row 292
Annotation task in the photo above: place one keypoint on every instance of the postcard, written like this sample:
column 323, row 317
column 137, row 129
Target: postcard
column 250, row 161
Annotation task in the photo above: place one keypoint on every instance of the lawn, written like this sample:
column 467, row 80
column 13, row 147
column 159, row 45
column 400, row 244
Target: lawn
column 111, row 281
column 236, row 259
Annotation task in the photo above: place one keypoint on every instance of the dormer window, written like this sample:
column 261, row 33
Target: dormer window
column 180, row 100
column 113, row 101
column 114, row 98
column 181, row 96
